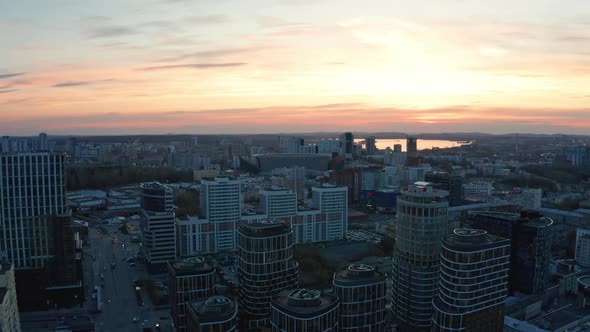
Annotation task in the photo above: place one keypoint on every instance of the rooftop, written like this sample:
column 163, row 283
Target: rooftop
column 358, row 274
column 215, row 309
column 304, row 303
column 474, row 238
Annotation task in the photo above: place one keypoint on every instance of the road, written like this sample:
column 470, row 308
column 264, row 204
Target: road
column 120, row 305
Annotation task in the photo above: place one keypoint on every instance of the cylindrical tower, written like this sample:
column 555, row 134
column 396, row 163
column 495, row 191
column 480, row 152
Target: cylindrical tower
column 421, row 223
column 304, row 310
column 265, row 268
column 362, row 292
column 473, row 282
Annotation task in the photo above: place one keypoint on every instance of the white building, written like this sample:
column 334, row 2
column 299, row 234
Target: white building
column 582, row 254
column 278, row 202
column 290, row 144
column 528, row 199
column 292, row 178
column 9, row 317
column 332, row 201
column 221, row 205
column 477, row 189
column 328, row 146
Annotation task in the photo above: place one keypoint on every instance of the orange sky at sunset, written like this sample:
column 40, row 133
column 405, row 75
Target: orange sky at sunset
column 167, row 66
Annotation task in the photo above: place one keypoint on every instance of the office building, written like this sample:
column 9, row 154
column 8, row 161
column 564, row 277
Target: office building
column 362, row 292
column 582, row 253
column 370, row 145
column 346, row 145
column 291, row 144
column 332, row 201
column 278, row 202
column 158, row 229
column 9, row 317
column 220, row 204
column 531, row 237
column 32, row 188
column 422, row 221
column 412, row 146
column 43, row 143
column 189, row 280
column 304, row 310
column 292, row 178
column 451, row 183
column 265, row 268
column 215, row 314
column 473, row 282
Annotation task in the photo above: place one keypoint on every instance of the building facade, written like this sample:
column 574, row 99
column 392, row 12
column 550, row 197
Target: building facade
column 265, row 268
column 158, row 229
column 473, row 282
column 9, row 317
column 215, row 314
column 220, row 203
column 362, row 292
column 189, row 280
column 451, row 183
column 582, row 253
column 332, row 201
column 278, row 202
column 422, row 221
column 304, row 310
column 531, row 237
column 32, row 189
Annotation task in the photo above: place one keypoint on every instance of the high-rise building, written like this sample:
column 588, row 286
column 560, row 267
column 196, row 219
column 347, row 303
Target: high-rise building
column 43, row 142
column 346, row 145
column 370, row 145
column 582, row 249
column 215, row 314
column 32, row 189
column 362, row 292
column 473, row 282
column 220, row 204
column 265, row 268
column 412, row 146
column 304, row 310
column 9, row 317
column 531, row 237
column 451, row 183
column 158, row 229
column 333, row 202
column 278, row 202
column 422, row 221
column 291, row 144
column 189, row 280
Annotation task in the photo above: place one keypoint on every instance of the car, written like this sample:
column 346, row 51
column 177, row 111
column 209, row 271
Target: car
column 135, row 320
column 132, row 264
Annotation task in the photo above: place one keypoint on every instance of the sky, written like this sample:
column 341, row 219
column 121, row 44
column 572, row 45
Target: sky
column 281, row 66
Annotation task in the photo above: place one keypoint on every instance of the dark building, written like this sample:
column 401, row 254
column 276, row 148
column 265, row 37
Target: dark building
column 451, row 183
column 189, row 280
column 362, row 292
column 304, row 310
column 353, row 179
column 531, row 237
column 346, row 143
column 412, row 146
column 473, row 282
column 36, row 231
column 158, row 226
column 265, row 268
column 215, row 314
column 370, row 145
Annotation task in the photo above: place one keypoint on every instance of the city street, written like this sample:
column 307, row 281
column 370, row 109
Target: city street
column 120, row 305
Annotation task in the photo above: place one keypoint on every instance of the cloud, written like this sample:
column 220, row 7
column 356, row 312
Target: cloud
column 208, row 19
column 71, row 84
column 211, row 53
column 2, row 76
column 7, row 91
column 111, row 31
column 196, row 66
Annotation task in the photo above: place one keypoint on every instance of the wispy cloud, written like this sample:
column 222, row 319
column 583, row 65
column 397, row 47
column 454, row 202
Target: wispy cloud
column 7, row 91
column 207, row 19
column 71, row 84
column 196, row 66
column 111, row 31
column 2, row 76
column 211, row 53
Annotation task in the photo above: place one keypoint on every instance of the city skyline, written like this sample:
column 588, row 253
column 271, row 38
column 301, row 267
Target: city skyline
column 181, row 66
